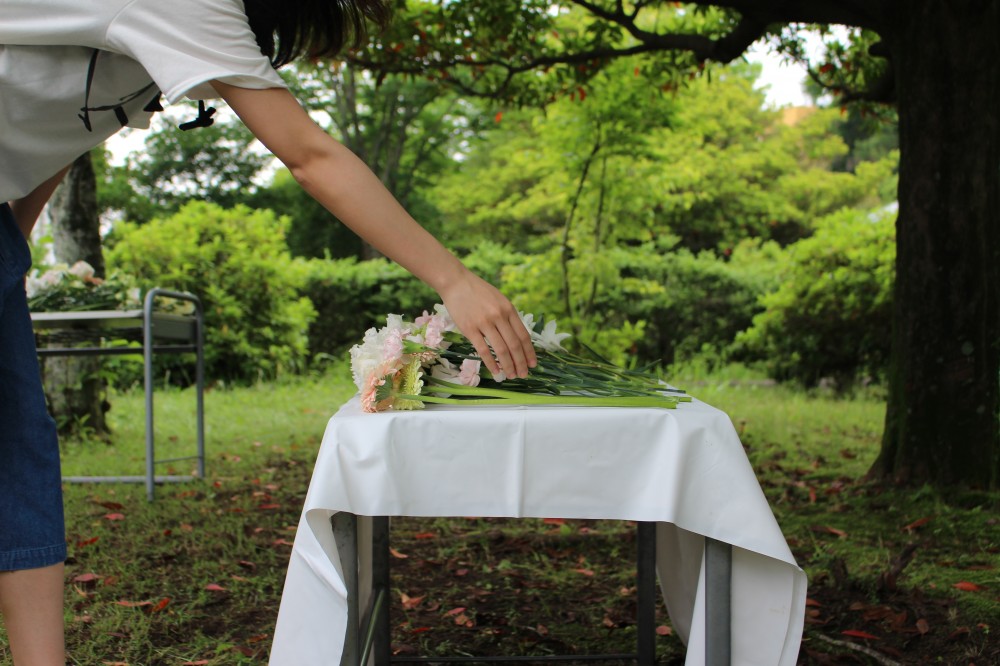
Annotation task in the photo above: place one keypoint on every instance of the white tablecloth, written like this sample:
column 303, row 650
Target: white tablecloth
column 684, row 469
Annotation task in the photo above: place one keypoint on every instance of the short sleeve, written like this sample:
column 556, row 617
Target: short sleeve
column 185, row 44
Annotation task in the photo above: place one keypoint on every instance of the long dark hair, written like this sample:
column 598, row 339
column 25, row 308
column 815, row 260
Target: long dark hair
column 290, row 29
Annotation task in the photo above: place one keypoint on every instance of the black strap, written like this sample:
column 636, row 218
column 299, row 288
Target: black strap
column 85, row 116
column 154, row 104
column 204, row 118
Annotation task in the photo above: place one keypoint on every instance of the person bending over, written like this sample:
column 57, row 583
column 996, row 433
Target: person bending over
column 73, row 74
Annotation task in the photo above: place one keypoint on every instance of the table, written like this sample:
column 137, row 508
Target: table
column 684, row 470
column 159, row 332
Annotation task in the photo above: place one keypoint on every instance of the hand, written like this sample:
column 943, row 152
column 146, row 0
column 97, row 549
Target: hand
column 489, row 320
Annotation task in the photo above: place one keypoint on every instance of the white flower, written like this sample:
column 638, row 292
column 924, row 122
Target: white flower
column 549, row 339
column 33, row 285
column 82, row 270
column 51, row 278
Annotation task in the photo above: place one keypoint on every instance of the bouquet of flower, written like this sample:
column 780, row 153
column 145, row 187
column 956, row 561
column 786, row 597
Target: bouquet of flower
column 73, row 288
column 405, row 364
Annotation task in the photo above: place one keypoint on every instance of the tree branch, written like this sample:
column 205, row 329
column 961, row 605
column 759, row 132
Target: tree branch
column 882, row 91
column 860, row 13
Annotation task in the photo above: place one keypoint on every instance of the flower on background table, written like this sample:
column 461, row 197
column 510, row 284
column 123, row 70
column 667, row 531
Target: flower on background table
column 405, row 364
column 76, row 287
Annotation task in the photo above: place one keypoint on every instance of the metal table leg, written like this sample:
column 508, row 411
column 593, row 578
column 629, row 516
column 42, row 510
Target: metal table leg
column 378, row 620
column 718, row 602
column 646, row 584
column 345, row 534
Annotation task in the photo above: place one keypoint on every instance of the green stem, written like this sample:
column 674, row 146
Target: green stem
column 530, row 399
column 516, row 397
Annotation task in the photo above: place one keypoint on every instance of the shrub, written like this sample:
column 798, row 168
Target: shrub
column 237, row 263
column 690, row 302
column 831, row 317
column 351, row 296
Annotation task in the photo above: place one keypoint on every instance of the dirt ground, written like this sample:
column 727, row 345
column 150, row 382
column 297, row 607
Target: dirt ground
column 501, row 587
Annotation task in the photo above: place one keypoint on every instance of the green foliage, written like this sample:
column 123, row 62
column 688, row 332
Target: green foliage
column 215, row 164
column 351, row 296
column 831, row 316
column 312, row 231
column 237, row 263
column 691, row 303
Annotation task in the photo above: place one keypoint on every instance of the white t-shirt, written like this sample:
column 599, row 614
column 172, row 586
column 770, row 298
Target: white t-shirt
column 145, row 46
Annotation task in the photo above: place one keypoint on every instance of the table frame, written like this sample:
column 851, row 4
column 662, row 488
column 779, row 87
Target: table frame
column 368, row 634
column 182, row 333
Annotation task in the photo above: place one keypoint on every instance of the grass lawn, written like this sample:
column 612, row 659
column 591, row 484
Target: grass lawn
column 896, row 576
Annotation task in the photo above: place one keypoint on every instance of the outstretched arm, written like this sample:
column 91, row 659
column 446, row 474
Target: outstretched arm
column 345, row 186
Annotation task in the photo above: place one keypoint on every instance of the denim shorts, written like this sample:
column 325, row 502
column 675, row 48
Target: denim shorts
column 32, row 531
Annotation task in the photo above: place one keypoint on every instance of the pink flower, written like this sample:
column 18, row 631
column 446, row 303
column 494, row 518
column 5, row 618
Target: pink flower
column 468, row 375
column 369, row 401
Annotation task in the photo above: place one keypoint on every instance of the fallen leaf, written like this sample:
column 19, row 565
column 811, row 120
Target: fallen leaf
column 923, row 626
column 266, row 507
column 398, row 555
column 608, row 622
column 664, row 630
column 133, row 604
column 966, row 586
column 812, row 602
column 258, row 638
column 542, row 630
column 463, row 620
column 86, row 542
column 409, row 603
column 161, row 605
column 455, row 611
column 829, row 530
column 112, row 506
column 425, row 535
column 859, row 634
column 87, row 578
column 958, row 633
column 419, row 630
column 554, row 521
column 461, row 572
column 200, row 662
column 585, row 572
column 215, row 587
column 916, row 523
column 114, row 516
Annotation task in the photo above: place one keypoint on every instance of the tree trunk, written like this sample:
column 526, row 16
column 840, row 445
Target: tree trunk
column 74, row 386
column 941, row 422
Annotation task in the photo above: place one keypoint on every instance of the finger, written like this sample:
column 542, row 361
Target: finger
column 524, row 339
column 503, row 355
column 482, row 348
column 513, row 356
